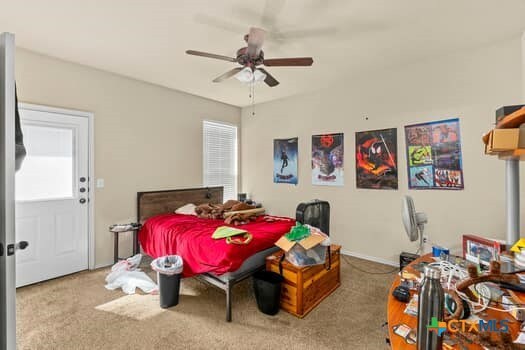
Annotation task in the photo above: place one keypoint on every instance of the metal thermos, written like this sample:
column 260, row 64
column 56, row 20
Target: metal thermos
column 430, row 304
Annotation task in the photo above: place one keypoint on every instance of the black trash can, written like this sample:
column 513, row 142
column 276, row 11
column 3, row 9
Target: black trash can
column 169, row 287
column 267, row 288
column 169, row 271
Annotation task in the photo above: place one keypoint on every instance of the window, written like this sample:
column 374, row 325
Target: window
column 220, row 157
column 47, row 172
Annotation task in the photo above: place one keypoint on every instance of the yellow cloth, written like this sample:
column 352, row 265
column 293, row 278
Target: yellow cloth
column 516, row 248
column 226, row 231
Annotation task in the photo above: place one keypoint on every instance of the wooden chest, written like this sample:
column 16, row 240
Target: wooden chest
column 305, row 287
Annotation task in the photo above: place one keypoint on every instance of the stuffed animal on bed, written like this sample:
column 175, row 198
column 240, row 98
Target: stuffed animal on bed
column 234, row 212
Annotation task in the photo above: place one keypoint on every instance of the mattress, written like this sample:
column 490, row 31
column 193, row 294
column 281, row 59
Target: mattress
column 190, row 237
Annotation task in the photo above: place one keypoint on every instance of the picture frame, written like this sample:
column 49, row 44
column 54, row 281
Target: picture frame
column 434, row 156
column 477, row 249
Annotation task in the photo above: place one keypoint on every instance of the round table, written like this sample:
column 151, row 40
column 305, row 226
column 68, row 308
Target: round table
column 396, row 314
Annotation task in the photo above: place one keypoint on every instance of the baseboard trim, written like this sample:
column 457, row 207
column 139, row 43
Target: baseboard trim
column 103, row 265
column 369, row 258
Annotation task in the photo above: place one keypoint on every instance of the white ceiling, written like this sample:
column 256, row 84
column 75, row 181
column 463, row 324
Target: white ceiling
column 146, row 39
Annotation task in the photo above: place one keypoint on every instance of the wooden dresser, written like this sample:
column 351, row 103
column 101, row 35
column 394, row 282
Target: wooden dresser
column 305, row 287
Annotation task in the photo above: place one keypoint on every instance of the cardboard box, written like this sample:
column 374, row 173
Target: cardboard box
column 488, row 143
column 521, row 142
column 503, row 140
column 307, row 243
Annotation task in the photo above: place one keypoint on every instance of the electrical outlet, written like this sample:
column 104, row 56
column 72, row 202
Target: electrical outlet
column 100, row 183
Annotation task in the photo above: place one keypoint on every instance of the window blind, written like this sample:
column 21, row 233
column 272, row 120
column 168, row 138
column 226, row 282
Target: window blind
column 220, row 157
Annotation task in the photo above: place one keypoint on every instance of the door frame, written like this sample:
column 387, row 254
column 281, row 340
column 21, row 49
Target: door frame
column 7, row 193
column 91, row 166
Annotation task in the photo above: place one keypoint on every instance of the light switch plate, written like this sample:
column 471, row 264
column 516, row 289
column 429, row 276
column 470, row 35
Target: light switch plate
column 100, row 183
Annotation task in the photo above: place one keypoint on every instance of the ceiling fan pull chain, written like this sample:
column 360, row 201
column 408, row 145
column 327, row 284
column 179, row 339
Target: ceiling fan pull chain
column 252, row 95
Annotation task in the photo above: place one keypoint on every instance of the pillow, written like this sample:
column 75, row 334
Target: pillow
column 188, row 209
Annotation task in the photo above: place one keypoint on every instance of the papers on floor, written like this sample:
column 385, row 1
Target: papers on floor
column 126, row 275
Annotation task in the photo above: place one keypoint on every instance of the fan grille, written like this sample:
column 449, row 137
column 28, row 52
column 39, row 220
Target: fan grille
column 315, row 213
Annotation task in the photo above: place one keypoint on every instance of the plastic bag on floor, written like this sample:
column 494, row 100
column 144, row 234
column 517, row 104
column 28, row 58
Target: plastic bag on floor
column 125, row 274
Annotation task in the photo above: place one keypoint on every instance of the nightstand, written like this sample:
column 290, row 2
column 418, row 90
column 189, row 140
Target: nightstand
column 121, row 228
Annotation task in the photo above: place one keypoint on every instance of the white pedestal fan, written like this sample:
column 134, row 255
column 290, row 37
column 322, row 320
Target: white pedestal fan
column 414, row 222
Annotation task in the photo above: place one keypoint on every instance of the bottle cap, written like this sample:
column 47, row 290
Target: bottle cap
column 432, row 272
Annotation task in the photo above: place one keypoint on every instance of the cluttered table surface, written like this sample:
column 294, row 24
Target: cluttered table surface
column 457, row 340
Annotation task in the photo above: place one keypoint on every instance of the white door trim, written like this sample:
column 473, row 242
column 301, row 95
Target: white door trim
column 91, row 167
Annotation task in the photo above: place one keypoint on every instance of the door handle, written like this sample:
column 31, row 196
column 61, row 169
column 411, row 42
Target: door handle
column 82, row 200
column 22, row 245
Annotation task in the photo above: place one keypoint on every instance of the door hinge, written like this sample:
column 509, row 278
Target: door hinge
column 10, row 249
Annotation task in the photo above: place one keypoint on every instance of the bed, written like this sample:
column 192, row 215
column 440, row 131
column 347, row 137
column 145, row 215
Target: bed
column 212, row 261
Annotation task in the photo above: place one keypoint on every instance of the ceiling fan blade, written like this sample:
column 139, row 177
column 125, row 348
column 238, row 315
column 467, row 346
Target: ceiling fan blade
column 294, row 61
column 302, row 33
column 219, row 23
column 255, row 41
column 269, row 80
column 272, row 10
column 211, row 55
column 228, row 74
column 268, row 19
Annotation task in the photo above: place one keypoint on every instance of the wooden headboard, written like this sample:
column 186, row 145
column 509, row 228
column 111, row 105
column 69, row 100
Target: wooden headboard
column 153, row 203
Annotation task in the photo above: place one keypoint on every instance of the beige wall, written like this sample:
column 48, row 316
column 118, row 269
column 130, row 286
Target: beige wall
column 523, row 64
column 469, row 85
column 146, row 137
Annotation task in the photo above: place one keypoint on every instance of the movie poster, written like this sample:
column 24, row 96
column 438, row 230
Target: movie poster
column 376, row 159
column 434, row 155
column 327, row 159
column 285, row 154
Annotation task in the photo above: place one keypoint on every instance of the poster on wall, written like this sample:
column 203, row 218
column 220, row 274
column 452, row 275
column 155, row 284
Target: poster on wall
column 285, row 155
column 327, row 159
column 376, row 159
column 434, row 155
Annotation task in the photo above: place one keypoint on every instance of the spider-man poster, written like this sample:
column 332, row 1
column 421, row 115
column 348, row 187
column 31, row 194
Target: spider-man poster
column 434, row 155
column 327, row 159
column 285, row 161
column 376, row 159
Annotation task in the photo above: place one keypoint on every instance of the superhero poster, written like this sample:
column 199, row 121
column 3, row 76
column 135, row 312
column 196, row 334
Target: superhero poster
column 434, row 155
column 285, row 161
column 328, row 159
column 376, row 159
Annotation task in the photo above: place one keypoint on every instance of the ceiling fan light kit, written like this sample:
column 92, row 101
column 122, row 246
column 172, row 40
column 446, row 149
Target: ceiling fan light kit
column 247, row 75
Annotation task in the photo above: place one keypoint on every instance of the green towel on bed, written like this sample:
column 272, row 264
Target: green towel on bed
column 225, row 231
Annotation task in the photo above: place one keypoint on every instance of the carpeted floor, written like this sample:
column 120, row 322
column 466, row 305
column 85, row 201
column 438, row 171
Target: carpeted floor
column 77, row 312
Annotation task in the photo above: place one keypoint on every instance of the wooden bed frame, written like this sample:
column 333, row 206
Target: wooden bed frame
column 153, row 203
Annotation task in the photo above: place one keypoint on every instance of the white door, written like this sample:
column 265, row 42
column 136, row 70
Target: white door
column 52, row 196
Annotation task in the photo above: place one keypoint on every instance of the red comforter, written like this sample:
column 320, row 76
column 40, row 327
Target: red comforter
column 190, row 237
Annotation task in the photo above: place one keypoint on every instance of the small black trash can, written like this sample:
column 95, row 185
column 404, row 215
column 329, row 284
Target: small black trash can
column 267, row 288
column 169, row 287
column 169, row 271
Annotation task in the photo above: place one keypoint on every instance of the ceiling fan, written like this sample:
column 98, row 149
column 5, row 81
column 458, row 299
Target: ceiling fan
column 251, row 57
